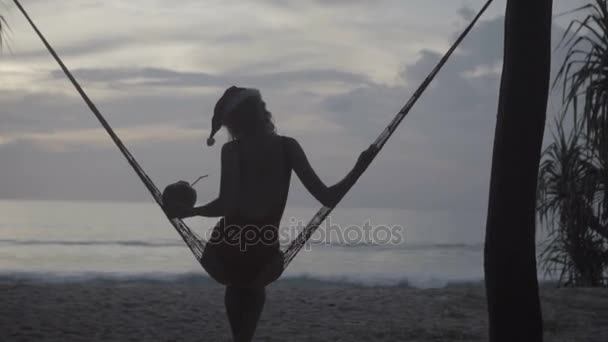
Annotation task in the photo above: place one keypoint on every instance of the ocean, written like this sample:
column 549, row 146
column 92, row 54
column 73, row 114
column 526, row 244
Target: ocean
column 82, row 240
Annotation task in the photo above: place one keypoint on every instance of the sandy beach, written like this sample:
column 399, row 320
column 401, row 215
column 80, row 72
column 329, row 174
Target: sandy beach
column 193, row 311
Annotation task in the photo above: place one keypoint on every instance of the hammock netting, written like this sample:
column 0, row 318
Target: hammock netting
column 192, row 240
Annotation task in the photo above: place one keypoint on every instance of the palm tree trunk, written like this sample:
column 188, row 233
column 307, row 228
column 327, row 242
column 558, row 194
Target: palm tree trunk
column 510, row 251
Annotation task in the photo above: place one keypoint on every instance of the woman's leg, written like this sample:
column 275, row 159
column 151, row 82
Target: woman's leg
column 244, row 308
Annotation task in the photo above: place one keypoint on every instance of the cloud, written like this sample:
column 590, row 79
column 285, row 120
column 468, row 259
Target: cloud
column 174, row 78
column 332, row 72
column 440, row 157
column 93, row 45
column 97, row 137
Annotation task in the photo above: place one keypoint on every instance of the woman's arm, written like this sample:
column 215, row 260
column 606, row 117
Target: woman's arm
column 227, row 202
column 211, row 209
column 328, row 196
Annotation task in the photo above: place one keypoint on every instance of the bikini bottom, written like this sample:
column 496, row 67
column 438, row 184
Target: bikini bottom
column 244, row 252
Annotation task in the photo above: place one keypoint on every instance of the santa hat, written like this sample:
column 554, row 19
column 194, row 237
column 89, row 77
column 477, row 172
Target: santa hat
column 231, row 99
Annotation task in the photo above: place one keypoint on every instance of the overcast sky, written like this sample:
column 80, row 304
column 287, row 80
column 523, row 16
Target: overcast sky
column 333, row 73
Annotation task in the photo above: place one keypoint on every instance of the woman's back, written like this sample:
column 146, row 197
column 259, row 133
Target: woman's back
column 264, row 176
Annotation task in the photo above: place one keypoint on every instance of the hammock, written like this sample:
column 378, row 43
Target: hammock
column 193, row 241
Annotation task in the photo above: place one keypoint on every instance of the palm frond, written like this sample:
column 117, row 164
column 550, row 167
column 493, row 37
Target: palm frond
column 3, row 26
column 572, row 190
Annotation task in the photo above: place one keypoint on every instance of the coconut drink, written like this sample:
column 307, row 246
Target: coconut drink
column 179, row 194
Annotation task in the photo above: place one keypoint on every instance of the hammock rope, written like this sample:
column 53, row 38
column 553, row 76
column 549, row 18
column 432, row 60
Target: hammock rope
column 192, row 240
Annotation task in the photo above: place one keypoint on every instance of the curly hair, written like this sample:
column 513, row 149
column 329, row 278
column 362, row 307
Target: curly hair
column 250, row 118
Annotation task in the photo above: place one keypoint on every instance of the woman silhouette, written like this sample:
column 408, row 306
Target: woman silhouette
column 243, row 252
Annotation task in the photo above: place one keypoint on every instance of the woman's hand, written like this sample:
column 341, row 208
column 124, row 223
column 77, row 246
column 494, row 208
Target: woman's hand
column 177, row 210
column 365, row 158
column 337, row 191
